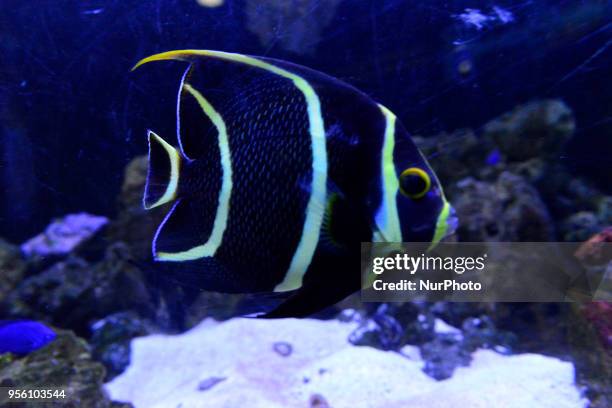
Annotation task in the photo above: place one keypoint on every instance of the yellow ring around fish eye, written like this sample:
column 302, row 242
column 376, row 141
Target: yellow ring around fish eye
column 414, row 182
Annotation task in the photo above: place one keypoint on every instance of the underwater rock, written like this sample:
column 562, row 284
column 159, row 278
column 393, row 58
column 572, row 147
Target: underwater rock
column 455, row 313
column 65, row 363
column 580, row 226
column 110, row 340
column 12, row 268
column 443, row 355
column 604, row 210
column 525, row 141
column 134, row 225
column 64, row 235
column 42, row 296
column 481, row 333
column 381, row 331
column 392, row 326
column 591, row 350
column 595, row 255
column 562, row 330
column 294, row 26
column 452, row 348
column 536, row 129
column 73, row 293
column 166, row 370
column 600, row 315
column 458, row 154
column 220, row 306
column 478, row 210
column 134, row 179
column 524, row 211
column 567, row 194
column 508, row 210
column 538, row 327
column 593, row 251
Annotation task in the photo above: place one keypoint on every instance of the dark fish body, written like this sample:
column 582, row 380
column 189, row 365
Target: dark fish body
column 280, row 173
column 24, row 336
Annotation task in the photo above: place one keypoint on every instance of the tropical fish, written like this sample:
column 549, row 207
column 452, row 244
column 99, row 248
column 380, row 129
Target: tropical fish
column 280, row 173
column 23, row 336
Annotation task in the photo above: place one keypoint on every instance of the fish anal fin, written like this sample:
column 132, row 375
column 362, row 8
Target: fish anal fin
column 329, row 238
column 182, row 233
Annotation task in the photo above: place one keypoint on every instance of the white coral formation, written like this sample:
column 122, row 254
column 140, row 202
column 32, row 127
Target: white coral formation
column 166, row 371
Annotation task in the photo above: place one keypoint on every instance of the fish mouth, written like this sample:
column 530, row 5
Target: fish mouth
column 446, row 224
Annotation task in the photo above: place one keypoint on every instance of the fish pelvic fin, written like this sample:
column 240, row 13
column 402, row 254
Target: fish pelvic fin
column 163, row 172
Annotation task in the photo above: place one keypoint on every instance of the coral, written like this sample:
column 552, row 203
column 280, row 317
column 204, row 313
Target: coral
column 64, row 235
column 324, row 370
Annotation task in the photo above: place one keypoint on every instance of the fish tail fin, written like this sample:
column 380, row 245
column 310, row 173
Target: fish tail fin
column 163, row 173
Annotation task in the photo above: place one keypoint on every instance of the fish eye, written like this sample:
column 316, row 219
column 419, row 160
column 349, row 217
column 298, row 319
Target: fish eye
column 414, row 182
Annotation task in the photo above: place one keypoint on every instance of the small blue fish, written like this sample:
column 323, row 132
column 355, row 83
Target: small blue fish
column 493, row 158
column 23, row 336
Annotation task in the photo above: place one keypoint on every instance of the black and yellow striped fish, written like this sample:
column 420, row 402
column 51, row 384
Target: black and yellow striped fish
column 279, row 175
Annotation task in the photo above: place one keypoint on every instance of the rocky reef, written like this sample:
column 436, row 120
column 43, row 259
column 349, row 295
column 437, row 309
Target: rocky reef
column 90, row 278
column 508, row 182
column 65, row 363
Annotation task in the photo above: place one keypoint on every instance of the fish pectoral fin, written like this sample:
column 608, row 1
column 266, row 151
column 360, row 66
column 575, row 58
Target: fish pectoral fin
column 163, row 172
column 330, row 239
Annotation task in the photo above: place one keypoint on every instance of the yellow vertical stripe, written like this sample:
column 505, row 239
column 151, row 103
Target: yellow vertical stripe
column 386, row 217
column 216, row 236
column 314, row 211
column 441, row 224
